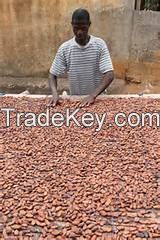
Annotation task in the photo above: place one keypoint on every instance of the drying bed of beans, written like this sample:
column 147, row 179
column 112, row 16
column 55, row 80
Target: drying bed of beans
column 76, row 183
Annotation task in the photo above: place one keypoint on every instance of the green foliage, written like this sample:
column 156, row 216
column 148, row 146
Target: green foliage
column 152, row 5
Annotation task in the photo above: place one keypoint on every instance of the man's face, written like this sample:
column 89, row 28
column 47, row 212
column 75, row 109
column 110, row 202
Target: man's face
column 80, row 30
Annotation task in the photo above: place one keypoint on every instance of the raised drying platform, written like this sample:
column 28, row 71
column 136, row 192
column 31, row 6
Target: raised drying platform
column 73, row 182
column 76, row 97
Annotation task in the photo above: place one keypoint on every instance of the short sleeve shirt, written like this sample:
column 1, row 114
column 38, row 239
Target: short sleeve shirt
column 85, row 65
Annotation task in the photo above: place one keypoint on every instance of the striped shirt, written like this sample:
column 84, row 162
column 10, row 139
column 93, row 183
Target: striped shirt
column 85, row 65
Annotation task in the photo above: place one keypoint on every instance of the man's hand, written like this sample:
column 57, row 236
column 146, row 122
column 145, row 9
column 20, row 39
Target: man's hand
column 54, row 102
column 87, row 101
column 106, row 81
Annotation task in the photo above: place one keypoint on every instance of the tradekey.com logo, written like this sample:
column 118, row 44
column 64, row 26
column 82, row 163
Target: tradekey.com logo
column 66, row 118
column 57, row 119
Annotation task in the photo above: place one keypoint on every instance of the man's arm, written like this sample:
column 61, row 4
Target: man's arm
column 53, row 86
column 58, row 67
column 106, row 81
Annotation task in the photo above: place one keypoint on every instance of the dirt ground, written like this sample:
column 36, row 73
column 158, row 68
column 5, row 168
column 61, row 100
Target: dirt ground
column 39, row 85
column 76, row 182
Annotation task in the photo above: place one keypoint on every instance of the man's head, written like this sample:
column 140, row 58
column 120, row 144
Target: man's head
column 81, row 23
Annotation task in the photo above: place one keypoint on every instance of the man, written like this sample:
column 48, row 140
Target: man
column 86, row 59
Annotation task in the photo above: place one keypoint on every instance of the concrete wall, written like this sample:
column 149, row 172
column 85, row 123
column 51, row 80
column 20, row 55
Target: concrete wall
column 144, row 60
column 32, row 30
column 27, row 36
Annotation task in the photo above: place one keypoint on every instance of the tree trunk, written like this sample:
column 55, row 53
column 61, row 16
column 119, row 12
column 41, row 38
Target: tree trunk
column 138, row 4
